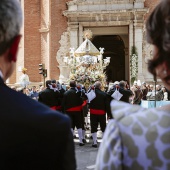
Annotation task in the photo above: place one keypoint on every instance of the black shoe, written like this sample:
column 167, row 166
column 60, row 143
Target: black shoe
column 94, row 145
column 81, row 144
column 84, row 140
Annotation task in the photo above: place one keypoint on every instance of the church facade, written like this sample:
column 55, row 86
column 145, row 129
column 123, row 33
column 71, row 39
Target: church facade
column 52, row 27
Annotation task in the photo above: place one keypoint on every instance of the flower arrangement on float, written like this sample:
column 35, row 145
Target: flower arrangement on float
column 88, row 78
column 86, row 63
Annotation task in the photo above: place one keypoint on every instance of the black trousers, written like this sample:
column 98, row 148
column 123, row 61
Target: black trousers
column 97, row 119
column 76, row 118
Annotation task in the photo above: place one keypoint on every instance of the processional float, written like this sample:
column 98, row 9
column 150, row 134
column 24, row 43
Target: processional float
column 86, row 63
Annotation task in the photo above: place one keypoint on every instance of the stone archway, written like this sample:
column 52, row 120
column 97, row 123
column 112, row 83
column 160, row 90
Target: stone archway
column 114, row 48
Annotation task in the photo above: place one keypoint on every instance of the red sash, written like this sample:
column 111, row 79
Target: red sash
column 84, row 103
column 58, row 107
column 97, row 112
column 76, row 108
column 53, row 107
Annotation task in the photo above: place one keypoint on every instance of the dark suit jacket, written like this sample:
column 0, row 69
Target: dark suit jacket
column 32, row 136
column 49, row 97
column 101, row 102
column 126, row 94
column 71, row 98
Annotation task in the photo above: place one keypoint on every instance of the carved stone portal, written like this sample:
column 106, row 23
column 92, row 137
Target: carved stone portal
column 83, row 14
column 62, row 52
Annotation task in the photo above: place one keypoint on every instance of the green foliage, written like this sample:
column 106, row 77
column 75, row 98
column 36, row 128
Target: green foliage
column 133, row 64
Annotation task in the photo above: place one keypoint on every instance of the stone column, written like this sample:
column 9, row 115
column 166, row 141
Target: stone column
column 80, row 34
column 45, row 36
column 64, row 73
column 139, row 44
column 74, row 35
column 20, row 58
column 130, row 45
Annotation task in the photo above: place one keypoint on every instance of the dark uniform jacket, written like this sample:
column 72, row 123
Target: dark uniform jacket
column 62, row 91
column 50, row 97
column 71, row 99
column 100, row 102
column 33, row 137
column 126, row 94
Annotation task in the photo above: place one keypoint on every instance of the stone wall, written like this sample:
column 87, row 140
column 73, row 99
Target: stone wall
column 33, row 52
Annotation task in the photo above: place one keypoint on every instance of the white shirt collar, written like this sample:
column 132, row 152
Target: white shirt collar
column 1, row 75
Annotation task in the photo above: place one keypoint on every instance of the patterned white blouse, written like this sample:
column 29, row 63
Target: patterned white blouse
column 136, row 139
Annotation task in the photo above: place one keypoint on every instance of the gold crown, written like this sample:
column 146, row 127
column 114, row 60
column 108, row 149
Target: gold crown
column 24, row 69
column 87, row 34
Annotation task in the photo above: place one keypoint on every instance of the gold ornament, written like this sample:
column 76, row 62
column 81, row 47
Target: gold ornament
column 87, row 34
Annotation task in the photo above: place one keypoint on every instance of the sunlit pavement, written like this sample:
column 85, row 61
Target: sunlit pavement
column 86, row 155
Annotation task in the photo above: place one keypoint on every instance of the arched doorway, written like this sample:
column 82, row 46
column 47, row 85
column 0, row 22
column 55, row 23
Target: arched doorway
column 114, row 48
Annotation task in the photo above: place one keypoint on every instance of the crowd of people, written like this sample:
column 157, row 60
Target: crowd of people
column 76, row 101
column 135, row 138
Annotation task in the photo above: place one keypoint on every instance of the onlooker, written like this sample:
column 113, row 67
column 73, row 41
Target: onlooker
column 29, row 130
column 138, row 138
column 159, row 93
column 144, row 91
column 34, row 93
column 165, row 94
column 138, row 94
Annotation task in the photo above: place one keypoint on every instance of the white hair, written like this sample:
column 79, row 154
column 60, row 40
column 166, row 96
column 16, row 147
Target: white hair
column 10, row 21
column 98, row 84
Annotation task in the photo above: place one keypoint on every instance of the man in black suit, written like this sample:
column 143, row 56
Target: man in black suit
column 50, row 97
column 29, row 130
column 99, row 106
column 122, row 89
column 72, row 106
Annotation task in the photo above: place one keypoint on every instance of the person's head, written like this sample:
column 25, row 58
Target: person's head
column 164, row 89
column 151, row 87
column 34, row 88
column 135, row 84
column 24, row 70
column 72, row 83
column 158, row 34
column 79, row 86
column 98, row 85
column 158, row 87
column 47, row 83
column 53, row 83
column 144, row 84
column 10, row 25
column 42, row 88
column 122, row 84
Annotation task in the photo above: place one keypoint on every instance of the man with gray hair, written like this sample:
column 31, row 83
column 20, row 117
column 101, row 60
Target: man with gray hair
column 29, row 130
column 126, row 94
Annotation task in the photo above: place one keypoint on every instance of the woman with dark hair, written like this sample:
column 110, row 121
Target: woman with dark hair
column 139, row 138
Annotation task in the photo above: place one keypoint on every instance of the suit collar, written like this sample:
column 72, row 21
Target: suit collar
column 1, row 81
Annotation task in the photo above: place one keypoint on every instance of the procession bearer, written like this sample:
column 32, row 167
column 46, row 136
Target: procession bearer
column 99, row 106
column 72, row 106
